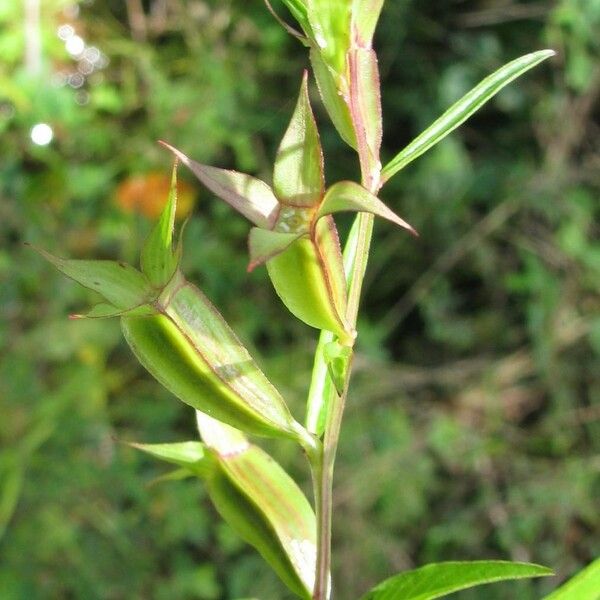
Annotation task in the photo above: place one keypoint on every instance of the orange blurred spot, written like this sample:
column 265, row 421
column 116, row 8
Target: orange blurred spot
column 147, row 194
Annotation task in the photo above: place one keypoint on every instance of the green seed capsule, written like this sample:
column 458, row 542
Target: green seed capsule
column 191, row 350
column 256, row 497
column 295, row 234
column 309, row 280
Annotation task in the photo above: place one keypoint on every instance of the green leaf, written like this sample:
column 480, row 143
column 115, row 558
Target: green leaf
column 463, row 109
column 263, row 504
column 248, row 195
column 119, row 283
column 365, row 14
column 190, row 455
column 583, row 586
column 298, row 174
column 329, row 84
column 439, row 579
column 298, row 9
column 158, row 260
column 350, row 196
column 264, row 244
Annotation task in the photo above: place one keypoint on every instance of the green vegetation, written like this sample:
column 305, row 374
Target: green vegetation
column 472, row 424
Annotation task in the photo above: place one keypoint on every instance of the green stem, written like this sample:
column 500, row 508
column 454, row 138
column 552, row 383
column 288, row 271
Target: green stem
column 356, row 254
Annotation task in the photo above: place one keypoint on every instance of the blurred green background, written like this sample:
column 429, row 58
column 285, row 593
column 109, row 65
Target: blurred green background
column 473, row 424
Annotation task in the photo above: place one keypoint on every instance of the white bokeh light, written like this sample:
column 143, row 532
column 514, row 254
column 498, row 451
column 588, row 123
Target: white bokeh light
column 75, row 45
column 41, row 134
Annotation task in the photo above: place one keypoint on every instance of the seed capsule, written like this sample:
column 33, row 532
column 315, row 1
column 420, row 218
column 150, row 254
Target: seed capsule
column 295, row 234
column 256, row 497
column 180, row 338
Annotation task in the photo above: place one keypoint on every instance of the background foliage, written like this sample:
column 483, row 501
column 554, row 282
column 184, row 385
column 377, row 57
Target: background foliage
column 473, row 423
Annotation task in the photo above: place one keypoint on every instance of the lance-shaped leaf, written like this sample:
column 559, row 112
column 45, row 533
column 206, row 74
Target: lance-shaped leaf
column 439, row 579
column 159, row 260
column 298, row 172
column 365, row 14
column 585, row 585
column 299, row 10
column 248, row 195
column 264, row 505
column 119, row 283
column 459, row 112
column 191, row 350
column 350, row 196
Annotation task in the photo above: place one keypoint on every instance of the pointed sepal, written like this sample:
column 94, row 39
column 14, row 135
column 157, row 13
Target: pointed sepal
column 264, row 244
column 160, row 258
column 350, row 196
column 248, row 195
column 120, row 284
column 298, row 173
column 108, row 311
column 192, row 456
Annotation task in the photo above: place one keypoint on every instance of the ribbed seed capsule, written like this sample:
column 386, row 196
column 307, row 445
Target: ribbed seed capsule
column 295, row 234
column 191, row 350
column 181, row 339
column 256, row 497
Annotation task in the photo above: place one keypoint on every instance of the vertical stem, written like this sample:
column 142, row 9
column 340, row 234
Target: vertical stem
column 357, row 252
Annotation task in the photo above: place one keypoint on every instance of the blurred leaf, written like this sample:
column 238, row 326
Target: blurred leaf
column 585, row 585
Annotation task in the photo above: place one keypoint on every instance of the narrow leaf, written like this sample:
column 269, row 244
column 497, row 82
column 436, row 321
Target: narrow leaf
column 585, row 585
column 190, row 455
column 298, row 9
column 350, row 196
column 119, row 283
column 264, row 244
column 365, row 14
column 439, row 579
column 463, row 109
column 248, row 195
column 158, row 259
column 298, row 174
